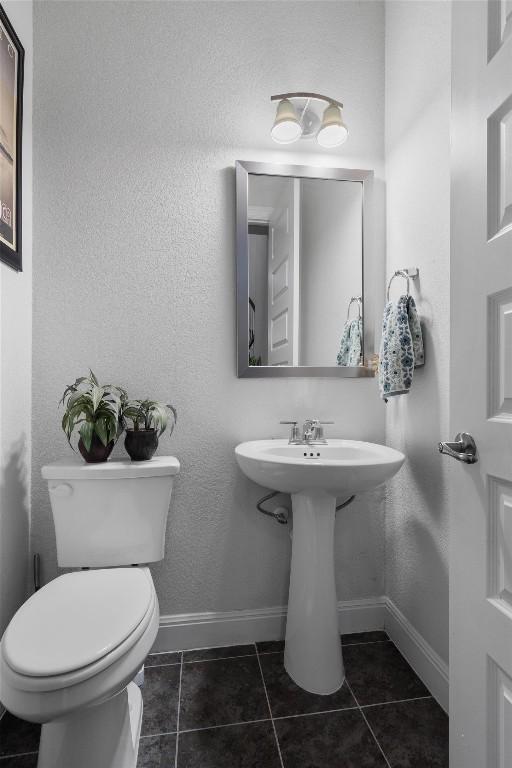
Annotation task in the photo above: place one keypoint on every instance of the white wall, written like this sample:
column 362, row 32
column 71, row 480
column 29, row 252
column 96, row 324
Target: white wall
column 140, row 111
column 418, row 232
column 330, row 263
column 15, row 373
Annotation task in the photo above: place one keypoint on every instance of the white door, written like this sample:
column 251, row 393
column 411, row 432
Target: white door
column 481, row 387
column 283, row 278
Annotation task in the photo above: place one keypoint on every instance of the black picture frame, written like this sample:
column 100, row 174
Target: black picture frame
column 10, row 177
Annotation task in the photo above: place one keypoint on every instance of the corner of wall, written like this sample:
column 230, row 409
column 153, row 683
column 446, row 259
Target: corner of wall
column 417, row 153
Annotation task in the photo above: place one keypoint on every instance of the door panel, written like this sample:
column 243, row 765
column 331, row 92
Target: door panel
column 500, row 355
column 283, row 275
column 480, row 378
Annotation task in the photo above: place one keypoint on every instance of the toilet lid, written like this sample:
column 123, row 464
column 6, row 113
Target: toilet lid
column 76, row 619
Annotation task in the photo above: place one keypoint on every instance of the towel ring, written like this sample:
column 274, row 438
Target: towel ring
column 398, row 273
column 358, row 300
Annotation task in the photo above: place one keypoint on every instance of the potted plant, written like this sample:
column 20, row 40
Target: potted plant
column 95, row 411
column 150, row 420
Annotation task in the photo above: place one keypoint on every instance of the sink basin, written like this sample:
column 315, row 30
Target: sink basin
column 340, row 467
column 314, row 476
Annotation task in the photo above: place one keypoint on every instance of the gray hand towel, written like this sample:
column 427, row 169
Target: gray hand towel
column 351, row 343
column 401, row 347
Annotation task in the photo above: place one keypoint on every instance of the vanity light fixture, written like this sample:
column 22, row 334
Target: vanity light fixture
column 304, row 115
column 333, row 130
column 287, row 127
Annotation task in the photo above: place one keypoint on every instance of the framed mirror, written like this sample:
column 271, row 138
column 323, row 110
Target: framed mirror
column 302, row 266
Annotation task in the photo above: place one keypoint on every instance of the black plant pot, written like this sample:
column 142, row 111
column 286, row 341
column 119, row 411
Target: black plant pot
column 98, row 451
column 141, row 444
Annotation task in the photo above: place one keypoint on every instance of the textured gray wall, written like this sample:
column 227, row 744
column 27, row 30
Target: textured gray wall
column 141, row 110
column 418, row 234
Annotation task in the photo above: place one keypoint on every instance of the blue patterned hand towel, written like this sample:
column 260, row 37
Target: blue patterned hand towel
column 351, row 343
column 415, row 328
column 401, row 347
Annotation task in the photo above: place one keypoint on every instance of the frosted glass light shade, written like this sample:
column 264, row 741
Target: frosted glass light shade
column 286, row 128
column 333, row 130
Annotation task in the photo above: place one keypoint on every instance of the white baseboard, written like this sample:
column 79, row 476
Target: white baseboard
column 206, row 630
column 214, row 628
column 427, row 664
column 363, row 615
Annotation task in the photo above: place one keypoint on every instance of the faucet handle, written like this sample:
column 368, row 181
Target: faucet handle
column 294, row 431
column 318, row 429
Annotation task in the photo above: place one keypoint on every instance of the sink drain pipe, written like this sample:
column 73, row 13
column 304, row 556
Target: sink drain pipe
column 281, row 514
column 346, row 503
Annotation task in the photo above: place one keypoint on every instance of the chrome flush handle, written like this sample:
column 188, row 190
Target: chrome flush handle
column 463, row 448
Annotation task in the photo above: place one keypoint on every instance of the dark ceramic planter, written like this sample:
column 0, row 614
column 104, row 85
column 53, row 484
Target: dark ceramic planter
column 141, row 444
column 98, row 452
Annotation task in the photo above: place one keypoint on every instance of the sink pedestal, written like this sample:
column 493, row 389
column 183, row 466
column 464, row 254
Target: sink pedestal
column 312, row 654
column 337, row 468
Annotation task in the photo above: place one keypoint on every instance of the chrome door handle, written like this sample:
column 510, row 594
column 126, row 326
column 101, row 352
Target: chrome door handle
column 463, row 448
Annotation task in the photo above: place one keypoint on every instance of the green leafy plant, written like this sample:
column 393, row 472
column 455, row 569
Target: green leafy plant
column 150, row 414
column 93, row 409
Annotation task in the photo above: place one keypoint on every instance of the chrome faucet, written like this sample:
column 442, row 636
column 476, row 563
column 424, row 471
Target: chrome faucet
column 312, row 432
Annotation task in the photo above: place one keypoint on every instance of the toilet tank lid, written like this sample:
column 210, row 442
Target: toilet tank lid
column 75, row 469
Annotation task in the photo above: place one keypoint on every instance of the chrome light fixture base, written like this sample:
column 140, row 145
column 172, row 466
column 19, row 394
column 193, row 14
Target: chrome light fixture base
column 312, row 112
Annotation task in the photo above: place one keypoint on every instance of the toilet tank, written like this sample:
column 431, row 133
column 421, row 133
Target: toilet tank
column 113, row 513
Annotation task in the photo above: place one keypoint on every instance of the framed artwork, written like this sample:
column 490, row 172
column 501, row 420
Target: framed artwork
column 11, row 113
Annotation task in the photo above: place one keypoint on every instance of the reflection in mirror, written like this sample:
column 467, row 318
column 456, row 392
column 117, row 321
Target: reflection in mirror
column 305, row 271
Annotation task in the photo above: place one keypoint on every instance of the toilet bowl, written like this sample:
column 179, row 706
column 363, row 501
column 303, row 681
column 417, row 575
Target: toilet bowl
column 70, row 652
column 68, row 656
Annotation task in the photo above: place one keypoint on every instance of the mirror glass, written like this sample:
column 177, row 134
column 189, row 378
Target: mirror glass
column 305, row 271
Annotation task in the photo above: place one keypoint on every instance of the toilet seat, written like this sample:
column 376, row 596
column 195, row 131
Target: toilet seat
column 78, row 625
column 43, row 699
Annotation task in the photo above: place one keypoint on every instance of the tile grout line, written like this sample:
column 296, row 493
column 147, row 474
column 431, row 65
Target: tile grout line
column 313, row 714
column 178, row 715
column 269, row 707
column 226, row 725
column 368, row 724
column 394, row 701
column 345, row 709
column 284, row 717
column 220, row 658
column 206, row 728
column 18, row 754
column 240, row 656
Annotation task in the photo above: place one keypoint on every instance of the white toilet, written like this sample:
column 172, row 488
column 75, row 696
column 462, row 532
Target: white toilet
column 69, row 655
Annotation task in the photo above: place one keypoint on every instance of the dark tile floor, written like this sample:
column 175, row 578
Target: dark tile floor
column 236, row 707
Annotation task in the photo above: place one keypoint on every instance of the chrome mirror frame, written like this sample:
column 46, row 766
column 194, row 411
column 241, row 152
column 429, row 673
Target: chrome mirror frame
column 365, row 178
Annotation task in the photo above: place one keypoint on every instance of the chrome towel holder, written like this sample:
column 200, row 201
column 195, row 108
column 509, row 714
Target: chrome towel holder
column 409, row 273
column 359, row 301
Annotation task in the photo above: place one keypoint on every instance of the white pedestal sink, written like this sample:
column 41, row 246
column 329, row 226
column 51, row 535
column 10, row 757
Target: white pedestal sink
column 315, row 476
